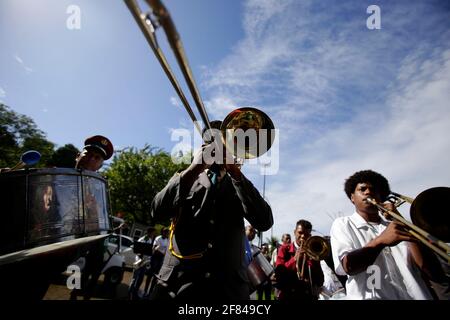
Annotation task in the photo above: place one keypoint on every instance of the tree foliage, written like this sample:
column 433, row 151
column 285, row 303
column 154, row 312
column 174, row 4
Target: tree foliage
column 19, row 133
column 273, row 243
column 64, row 157
column 135, row 177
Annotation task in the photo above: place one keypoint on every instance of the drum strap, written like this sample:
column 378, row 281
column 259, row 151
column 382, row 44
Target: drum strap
column 212, row 175
column 171, row 248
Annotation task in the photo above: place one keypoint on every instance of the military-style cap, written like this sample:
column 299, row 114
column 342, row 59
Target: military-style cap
column 100, row 143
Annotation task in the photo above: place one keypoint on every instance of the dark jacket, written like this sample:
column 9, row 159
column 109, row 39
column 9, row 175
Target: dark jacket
column 210, row 220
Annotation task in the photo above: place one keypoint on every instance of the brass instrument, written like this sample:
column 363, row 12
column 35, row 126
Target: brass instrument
column 242, row 118
column 316, row 248
column 236, row 124
column 430, row 212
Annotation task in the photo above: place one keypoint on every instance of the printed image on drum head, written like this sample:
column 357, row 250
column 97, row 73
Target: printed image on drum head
column 94, row 204
column 44, row 220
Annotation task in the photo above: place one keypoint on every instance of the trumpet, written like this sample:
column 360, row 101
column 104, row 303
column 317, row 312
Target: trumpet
column 316, row 248
column 429, row 212
column 262, row 133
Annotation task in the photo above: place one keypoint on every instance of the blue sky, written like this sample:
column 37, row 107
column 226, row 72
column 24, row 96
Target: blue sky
column 344, row 98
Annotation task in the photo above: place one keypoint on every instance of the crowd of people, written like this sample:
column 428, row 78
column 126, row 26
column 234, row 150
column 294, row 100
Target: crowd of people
column 208, row 254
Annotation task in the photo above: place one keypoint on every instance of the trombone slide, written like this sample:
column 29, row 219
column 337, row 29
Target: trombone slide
column 438, row 246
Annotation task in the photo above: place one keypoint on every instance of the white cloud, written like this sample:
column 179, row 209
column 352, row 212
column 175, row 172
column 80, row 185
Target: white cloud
column 409, row 145
column 175, row 102
column 23, row 65
column 344, row 98
column 219, row 107
column 2, row 93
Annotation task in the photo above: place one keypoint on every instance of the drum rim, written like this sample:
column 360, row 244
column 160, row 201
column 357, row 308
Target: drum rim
column 54, row 171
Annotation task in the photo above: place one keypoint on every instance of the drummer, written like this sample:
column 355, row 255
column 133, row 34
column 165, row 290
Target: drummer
column 96, row 150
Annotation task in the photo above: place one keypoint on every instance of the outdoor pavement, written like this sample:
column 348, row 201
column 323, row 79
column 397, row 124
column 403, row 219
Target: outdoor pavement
column 59, row 291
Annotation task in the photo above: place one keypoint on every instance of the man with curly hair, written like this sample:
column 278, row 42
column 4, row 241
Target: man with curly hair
column 382, row 260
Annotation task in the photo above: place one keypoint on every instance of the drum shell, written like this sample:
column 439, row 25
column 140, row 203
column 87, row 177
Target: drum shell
column 77, row 207
column 259, row 271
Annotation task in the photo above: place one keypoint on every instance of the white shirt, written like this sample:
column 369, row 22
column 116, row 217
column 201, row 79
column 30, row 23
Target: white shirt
column 331, row 283
column 393, row 276
column 161, row 244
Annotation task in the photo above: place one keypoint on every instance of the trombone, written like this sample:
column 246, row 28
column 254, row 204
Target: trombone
column 242, row 118
column 316, row 248
column 424, row 215
column 239, row 120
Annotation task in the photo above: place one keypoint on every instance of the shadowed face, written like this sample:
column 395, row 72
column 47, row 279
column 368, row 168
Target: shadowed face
column 286, row 239
column 89, row 159
column 250, row 232
column 362, row 192
column 301, row 234
column 48, row 197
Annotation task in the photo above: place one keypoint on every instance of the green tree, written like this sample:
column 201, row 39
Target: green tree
column 19, row 133
column 272, row 241
column 64, row 157
column 135, row 177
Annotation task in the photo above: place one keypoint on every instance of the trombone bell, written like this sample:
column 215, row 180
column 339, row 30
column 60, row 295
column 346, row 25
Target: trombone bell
column 430, row 211
column 255, row 137
column 317, row 248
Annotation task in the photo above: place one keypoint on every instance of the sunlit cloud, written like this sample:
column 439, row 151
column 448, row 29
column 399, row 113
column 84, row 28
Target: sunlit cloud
column 345, row 98
column 175, row 102
column 23, row 65
column 408, row 145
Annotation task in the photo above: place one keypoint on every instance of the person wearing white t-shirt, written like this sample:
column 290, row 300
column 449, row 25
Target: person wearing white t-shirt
column 160, row 245
column 142, row 266
column 381, row 259
column 159, row 249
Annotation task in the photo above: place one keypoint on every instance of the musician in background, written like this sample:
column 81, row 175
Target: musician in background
column 266, row 287
column 250, row 251
column 250, row 233
column 285, row 239
column 96, row 150
column 160, row 245
column 208, row 203
column 297, row 276
column 142, row 266
column 381, row 259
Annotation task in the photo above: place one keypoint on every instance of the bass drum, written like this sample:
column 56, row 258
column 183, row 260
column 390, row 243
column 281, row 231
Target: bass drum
column 50, row 217
column 259, row 271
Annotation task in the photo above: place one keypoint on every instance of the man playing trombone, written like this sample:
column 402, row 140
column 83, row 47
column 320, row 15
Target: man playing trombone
column 382, row 260
column 207, row 204
column 298, row 276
